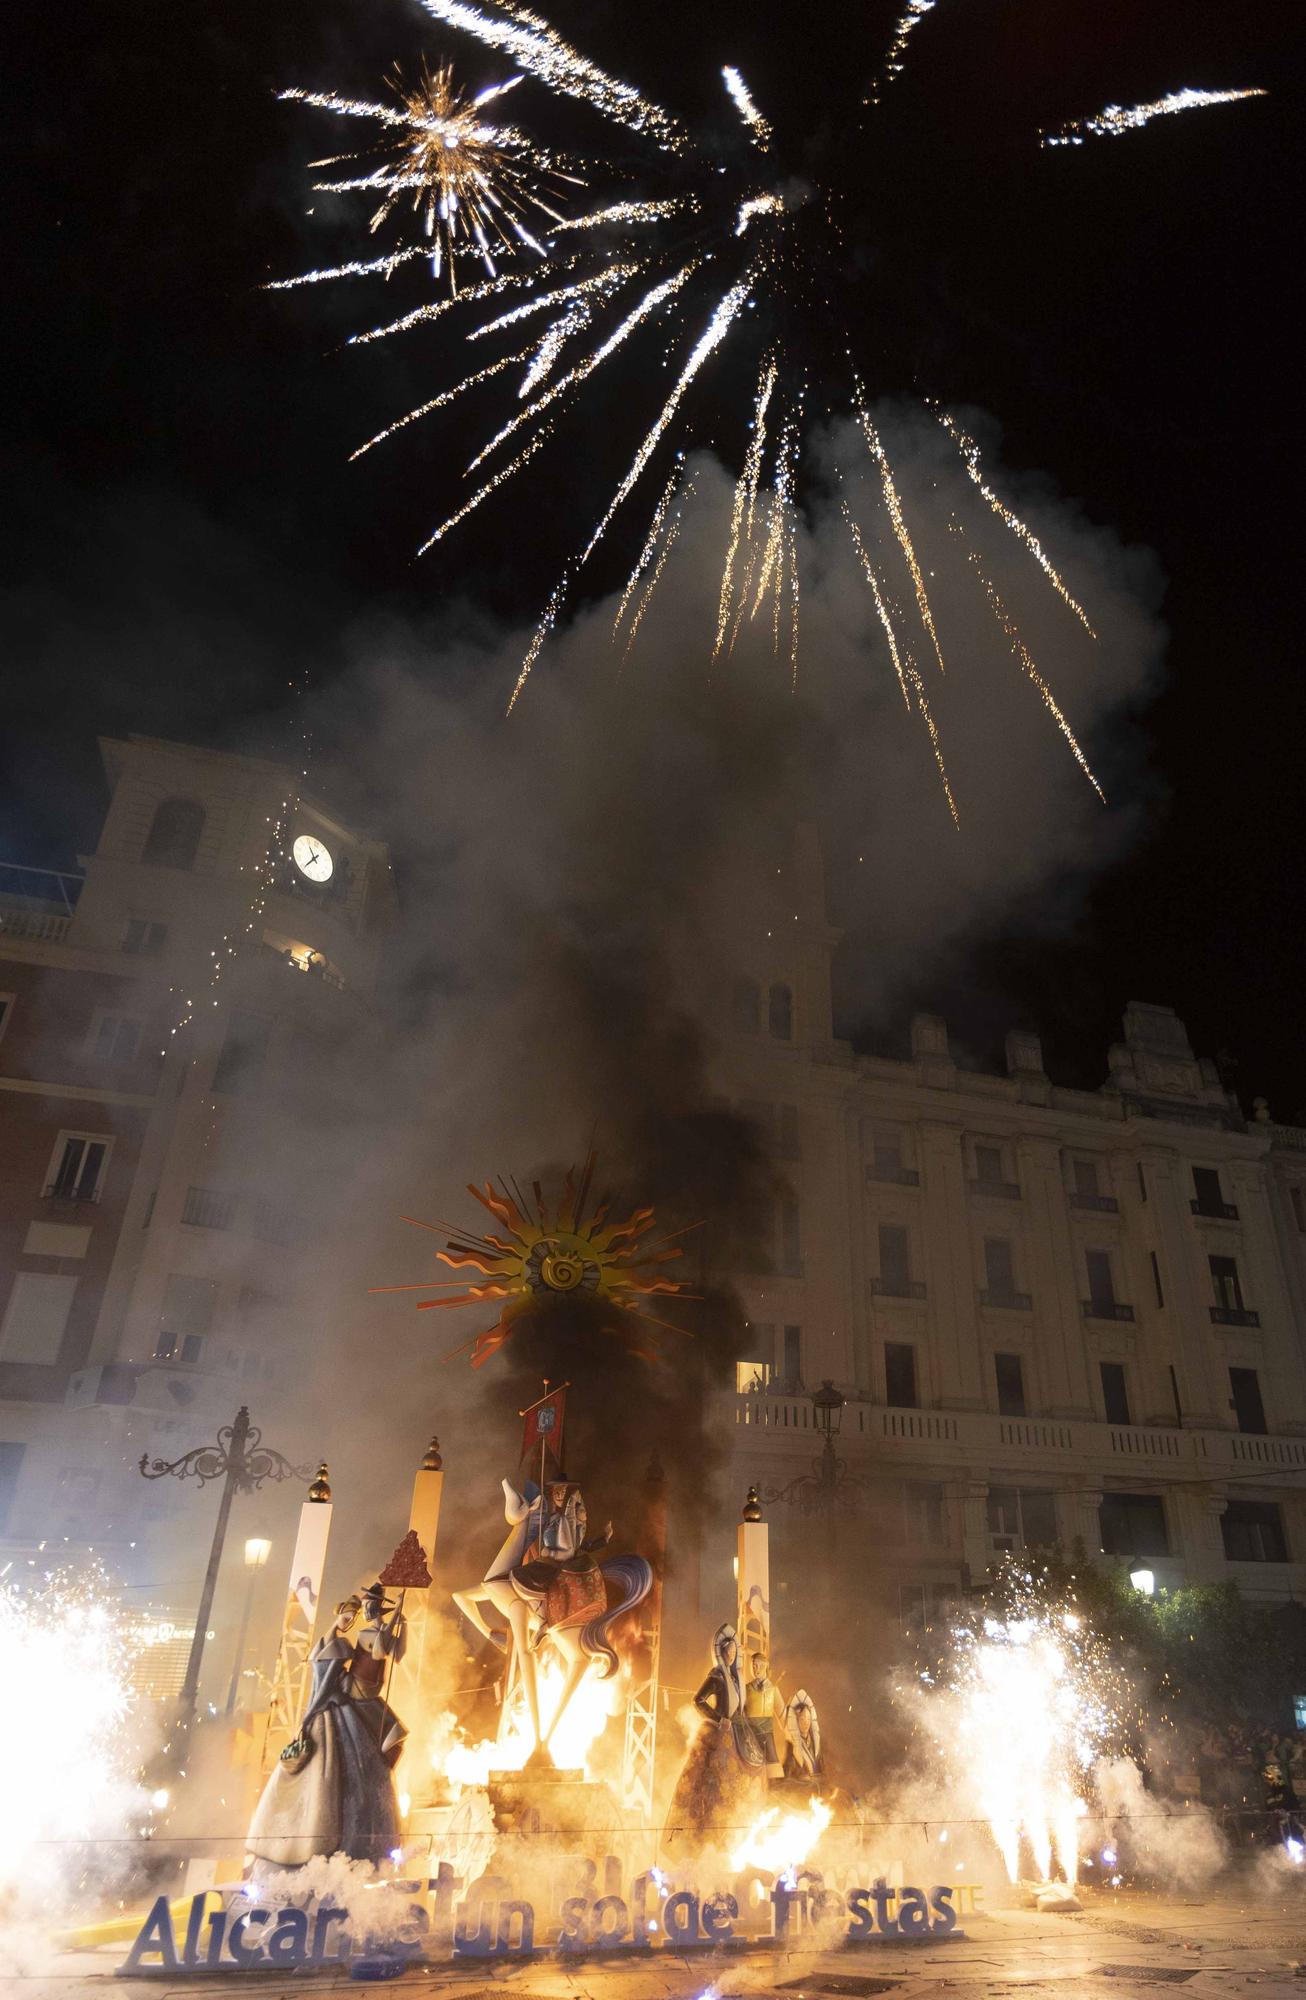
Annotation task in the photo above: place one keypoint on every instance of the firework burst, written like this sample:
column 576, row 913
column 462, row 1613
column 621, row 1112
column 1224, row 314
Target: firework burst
column 475, row 186
column 702, row 247
column 75, row 1801
column 1024, row 1705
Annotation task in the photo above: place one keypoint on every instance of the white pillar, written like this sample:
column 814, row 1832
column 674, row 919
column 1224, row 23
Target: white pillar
column 290, row 1677
column 415, row 1696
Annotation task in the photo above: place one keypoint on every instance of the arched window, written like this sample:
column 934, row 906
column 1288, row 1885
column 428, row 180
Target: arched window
column 780, row 1013
column 746, row 1007
column 175, row 834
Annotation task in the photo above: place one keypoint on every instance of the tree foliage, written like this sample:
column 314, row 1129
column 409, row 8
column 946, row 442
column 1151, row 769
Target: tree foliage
column 1199, row 1654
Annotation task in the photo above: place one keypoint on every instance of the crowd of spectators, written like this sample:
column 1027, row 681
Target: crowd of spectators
column 1245, row 1771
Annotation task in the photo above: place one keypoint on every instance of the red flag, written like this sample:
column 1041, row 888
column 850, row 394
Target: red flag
column 543, row 1426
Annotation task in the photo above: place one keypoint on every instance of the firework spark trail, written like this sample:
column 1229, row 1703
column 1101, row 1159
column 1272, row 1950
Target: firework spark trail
column 650, row 543
column 771, row 551
column 727, row 307
column 793, row 601
column 781, row 541
column 970, row 456
column 880, row 606
column 556, row 336
column 893, row 64
column 913, row 675
column 907, row 671
column 528, row 451
column 753, row 459
column 757, row 204
column 652, row 299
column 347, row 107
column 668, row 543
column 1118, row 118
column 626, row 211
column 745, row 493
column 604, row 282
column 536, row 47
column 542, row 631
column 896, row 515
column 358, row 268
column 511, row 281
column 712, row 336
column 1023, row 656
column 438, row 402
column 745, row 106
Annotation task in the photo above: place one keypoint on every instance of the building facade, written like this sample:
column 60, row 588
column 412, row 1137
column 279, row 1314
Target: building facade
column 1052, row 1315
column 1056, row 1315
column 160, row 1011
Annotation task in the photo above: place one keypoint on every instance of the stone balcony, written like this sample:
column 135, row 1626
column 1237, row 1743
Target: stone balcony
column 37, row 904
column 873, row 1435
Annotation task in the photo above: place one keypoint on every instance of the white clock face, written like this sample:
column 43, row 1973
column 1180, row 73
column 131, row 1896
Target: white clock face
column 313, row 858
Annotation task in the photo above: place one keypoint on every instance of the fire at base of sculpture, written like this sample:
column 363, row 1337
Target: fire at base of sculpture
column 558, row 1602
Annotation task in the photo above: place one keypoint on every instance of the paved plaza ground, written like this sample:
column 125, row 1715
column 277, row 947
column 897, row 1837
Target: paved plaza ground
column 1237, row 1937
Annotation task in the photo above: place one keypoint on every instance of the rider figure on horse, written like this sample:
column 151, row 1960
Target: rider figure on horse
column 557, row 1575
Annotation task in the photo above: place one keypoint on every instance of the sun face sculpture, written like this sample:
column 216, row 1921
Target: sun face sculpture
column 548, row 1254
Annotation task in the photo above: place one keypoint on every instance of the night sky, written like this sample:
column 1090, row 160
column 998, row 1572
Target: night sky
column 185, row 535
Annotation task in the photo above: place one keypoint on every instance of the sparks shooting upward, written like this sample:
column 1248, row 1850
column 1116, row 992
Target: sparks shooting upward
column 711, row 239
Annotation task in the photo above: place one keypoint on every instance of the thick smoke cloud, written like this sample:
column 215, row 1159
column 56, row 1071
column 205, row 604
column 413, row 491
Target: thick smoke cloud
column 579, row 882
column 579, row 885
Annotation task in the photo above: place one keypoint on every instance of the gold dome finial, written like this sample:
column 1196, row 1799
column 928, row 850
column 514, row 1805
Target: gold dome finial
column 752, row 1505
column 321, row 1487
column 433, row 1461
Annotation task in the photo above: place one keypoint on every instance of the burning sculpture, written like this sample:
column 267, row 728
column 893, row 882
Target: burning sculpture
column 331, row 1791
column 552, row 1592
column 721, row 1777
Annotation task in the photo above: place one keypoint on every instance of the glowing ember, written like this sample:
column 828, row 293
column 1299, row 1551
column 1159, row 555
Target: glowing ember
column 780, row 1840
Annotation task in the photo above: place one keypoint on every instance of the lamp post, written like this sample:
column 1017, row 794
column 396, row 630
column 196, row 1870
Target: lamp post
column 242, row 1462
column 257, row 1551
column 829, row 1485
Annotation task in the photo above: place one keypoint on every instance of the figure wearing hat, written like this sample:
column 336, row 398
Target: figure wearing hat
column 331, row 1791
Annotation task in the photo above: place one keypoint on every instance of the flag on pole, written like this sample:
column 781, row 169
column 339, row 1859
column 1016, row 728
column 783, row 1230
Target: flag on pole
column 542, row 1430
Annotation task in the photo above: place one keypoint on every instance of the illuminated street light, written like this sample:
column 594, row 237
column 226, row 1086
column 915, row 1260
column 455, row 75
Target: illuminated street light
column 1144, row 1582
column 257, row 1551
column 241, row 1460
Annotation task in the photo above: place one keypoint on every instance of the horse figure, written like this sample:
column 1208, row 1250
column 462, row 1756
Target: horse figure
column 550, row 1603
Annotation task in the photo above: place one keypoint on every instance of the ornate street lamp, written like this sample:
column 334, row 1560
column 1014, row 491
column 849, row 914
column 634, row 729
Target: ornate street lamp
column 829, row 1484
column 242, row 1462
